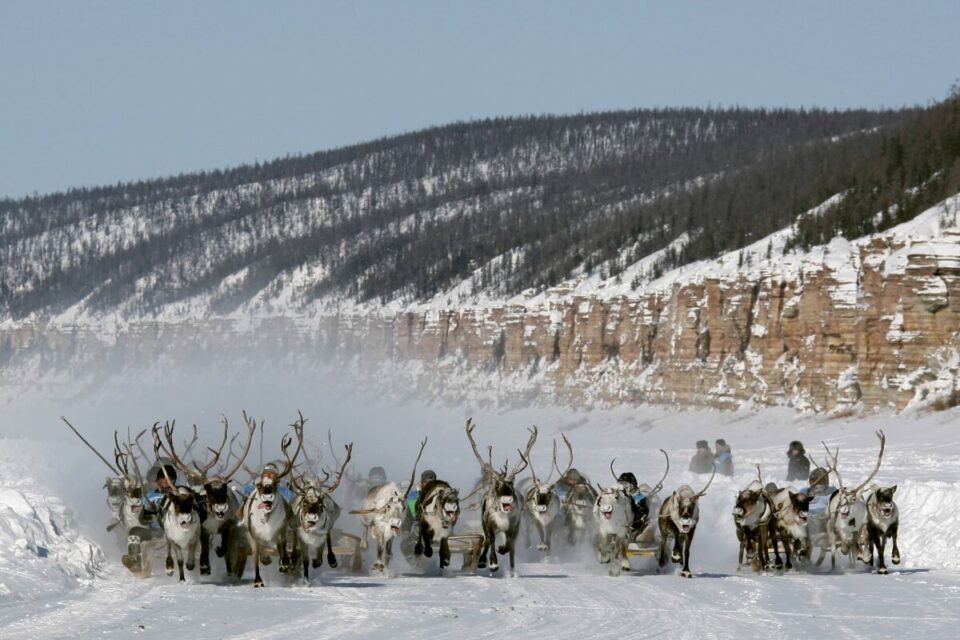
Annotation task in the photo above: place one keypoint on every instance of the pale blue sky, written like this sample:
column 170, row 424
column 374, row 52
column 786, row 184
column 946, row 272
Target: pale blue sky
column 96, row 92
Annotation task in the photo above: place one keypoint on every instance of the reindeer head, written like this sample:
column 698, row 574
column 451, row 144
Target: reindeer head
column 800, row 504
column 542, row 495
column 448, row 502
column 182, row 502
column 311, row 507
column 216, row 492
column 847, row 497
column 501, row 482
column 749, row 504
column 611, row 501
column 580, row 498
column 116, row 493
column 687, row 505
column 884, row 497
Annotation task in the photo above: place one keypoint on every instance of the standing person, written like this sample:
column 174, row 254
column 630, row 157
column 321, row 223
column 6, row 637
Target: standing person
column 798, row 465
column 723, row 459
column 702, row 460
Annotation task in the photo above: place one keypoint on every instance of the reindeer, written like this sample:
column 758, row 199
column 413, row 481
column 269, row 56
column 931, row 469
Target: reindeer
column 542, row 502
column 753, row 517
column 438, row 509
column 679, row 515
column 847, row 511
column 216, row 498
column 181, row 519
column 883, row 521
column 613, row 512
column 314, row 514
column 499, row 512
column 577, row 510
column 382, row 513
column 266, row 514
column 791, row 515
column 129, row 491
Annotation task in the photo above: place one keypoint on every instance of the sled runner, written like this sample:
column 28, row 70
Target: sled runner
column 468, row 544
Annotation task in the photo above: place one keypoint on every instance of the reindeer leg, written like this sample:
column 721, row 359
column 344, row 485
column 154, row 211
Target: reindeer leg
column 192, row 557
column 378, row 565
column 364, row 538
column 331, row 556
column 544, row 537
column 687, row 541
column 427, row 542
column 224, row 540
column 881, row 550
column 169, row 558
column 772, row 533
column 204, row 553
column 444, row 553
column 257, row 580
column 305, row 563
column 895, row 556
column 740, row 554
column 179, row 553
column 389, row 555
column 787, row 552
column 491, row 542
column 662, row 556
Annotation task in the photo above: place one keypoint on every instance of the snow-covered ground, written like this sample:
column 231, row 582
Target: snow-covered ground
column 51, row 499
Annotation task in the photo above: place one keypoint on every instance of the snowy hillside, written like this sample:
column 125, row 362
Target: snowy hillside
column 524, row 202
column 566, row 595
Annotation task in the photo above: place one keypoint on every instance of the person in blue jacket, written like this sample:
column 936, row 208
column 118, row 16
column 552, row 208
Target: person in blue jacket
column 270, row 470
column 723, row 458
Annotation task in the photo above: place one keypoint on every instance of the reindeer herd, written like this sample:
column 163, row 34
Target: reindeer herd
column 286, row 510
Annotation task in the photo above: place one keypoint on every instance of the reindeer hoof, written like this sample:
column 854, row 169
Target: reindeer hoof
column 332, row 561
column 543, row 547
column 494, row 568
column 266, row 560
column 316, row 563
column 170, row 571
column 204, row 571
column 220, row 551
column 378, row 566
column 686, row 574
column 675, row 557
column 882, row 571
column 257, row 584
column 895, row 559
column 482, row 563
column 418, row 549
column 190, row 567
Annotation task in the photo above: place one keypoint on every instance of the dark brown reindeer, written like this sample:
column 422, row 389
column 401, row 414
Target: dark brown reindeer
column 679, row 516
column 501, row 506
column 756, row 531
column 883, row 521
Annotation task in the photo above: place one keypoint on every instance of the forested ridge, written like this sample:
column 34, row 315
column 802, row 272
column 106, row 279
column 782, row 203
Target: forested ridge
column 523, row 202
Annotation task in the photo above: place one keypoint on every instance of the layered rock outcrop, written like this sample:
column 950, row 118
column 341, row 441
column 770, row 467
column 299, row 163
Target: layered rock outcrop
column 871, row 323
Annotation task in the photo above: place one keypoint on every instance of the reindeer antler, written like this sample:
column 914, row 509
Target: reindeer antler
column 570, row 449
column 171, row 450
column 833, row 462
column 569, row 462
column 413, row 474
column 525, row 455
column 251, row 431
column 612, row 472
column 656, row 489
column 883, row 443
column 704, row 490
column 285, row 443
column 343, row 467
column 486, row 467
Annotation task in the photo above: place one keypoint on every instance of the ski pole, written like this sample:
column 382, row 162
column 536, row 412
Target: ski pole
column 90, row 446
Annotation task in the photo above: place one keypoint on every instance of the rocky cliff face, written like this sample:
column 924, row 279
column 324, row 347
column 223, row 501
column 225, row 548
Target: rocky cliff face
column 872, row 323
